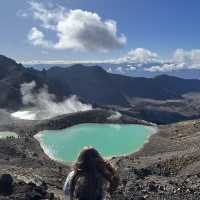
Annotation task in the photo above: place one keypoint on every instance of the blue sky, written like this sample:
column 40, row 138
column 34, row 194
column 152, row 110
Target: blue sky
column 161, row 26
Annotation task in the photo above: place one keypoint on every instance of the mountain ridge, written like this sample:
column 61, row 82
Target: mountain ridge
column 92, row 84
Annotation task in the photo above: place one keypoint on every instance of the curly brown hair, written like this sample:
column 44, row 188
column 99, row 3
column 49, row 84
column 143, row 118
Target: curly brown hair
column 91, row 162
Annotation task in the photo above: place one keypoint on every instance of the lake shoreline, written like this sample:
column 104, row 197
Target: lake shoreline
column 49, row 152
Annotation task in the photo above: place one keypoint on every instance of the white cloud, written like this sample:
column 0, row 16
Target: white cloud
column 134, row 59
column 139, row 56
column 77, row 29
column 48, row 16
column 182, row 59
column 85, row 30
column 36, row 37
column 191, row 58
column 165, row 67
column 152, row 62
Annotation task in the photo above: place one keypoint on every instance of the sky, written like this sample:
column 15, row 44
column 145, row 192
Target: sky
column 163, row 34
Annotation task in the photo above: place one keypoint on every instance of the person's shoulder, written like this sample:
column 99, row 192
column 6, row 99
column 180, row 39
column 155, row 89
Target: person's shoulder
column 71, row 174
column 66, row 187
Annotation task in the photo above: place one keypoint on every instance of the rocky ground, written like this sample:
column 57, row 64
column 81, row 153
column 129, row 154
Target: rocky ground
column 167, row 167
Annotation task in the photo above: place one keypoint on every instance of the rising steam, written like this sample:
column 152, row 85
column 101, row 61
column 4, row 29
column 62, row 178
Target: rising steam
column 44, row 104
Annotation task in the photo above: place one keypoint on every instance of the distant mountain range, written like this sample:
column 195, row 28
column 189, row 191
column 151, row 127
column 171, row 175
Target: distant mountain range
column 131, row 70
column 92, row 84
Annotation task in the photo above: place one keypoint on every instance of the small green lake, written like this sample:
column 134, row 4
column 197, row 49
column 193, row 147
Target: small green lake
column 108, row 139
column 6, row 134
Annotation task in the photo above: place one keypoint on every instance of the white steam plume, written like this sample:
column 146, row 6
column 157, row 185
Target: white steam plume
column 115, row 116
column 44, row 105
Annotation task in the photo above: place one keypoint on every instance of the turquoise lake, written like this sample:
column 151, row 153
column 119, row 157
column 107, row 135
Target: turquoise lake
column 108, row 139
column 5, row 134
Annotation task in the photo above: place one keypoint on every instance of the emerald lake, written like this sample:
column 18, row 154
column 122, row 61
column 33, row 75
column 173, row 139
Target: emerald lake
column 6, row 134
column 108, row 139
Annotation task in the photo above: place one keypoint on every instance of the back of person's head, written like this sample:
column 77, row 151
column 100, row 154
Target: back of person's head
column 88, row 160
column 89, row 171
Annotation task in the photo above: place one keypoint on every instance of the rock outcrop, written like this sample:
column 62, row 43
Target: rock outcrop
column 12, row 189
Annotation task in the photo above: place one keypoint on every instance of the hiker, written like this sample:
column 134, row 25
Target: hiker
column 91, row 177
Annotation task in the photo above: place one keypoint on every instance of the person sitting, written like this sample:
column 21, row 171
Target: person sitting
column 91, row 177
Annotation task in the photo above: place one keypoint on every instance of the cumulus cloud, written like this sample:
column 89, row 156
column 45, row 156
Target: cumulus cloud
column 134, row 59
column 86, row 30
column 43, row 104
column 75, row 29
column 181, row 59
column 147, row 60
column 139, row 56
column 151, row 61
column 36, row 37
column 190, row 58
